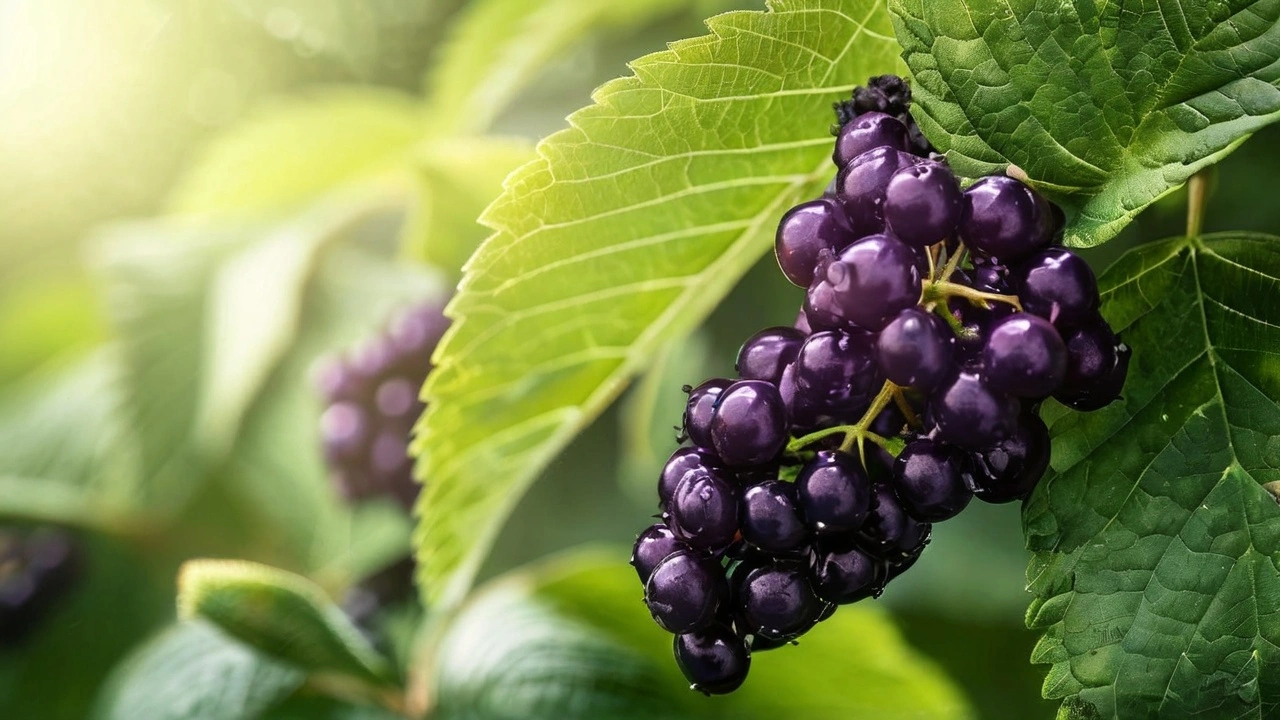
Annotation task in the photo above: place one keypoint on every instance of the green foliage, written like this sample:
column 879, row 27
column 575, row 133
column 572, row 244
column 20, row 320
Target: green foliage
column 1105, row 106
column 499, row 46
column 567, row 639
column 281, row 614
column 624, row 234
column 1156, row 543
column 291, row 151
column 194, row 672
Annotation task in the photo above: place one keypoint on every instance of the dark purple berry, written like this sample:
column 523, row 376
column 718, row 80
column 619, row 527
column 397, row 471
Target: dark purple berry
column 861, row 185
column 887, row 527
column 922, row 204
column 1001, row 218
column 1010, row 469
column 715, row 661
column 834, row 493
column 866, row 132
column 685, row 592
column 698, row 411
column 968, row 413
column 1024, row 355
column 767, row 353
column 869, row 283
column 844, row 573
column 777, row 602
column 681, row 461
column 806, row 230
column 835, row 373
column 932, row 480
column 915, row 349
column 703, row 512
column 345, row 431
column 1097, row 365
column 655, row 544
column 749, row 423
column 1059, row 286
column 771, row 519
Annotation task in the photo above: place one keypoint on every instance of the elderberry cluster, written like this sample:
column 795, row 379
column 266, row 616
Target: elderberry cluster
column 37, row 567
column 935, row 321
column 372, row 402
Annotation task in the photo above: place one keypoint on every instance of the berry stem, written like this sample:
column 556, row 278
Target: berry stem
column 901, row 400
column 857, row 433
column 944, row 289
column 952, row 264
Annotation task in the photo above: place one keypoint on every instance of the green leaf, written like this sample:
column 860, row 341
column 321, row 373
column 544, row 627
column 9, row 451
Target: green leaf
column 625, row 233
column 499, row 46
column 457, row 178
column 568, row 638
column 290, row 151
column 1156, row 544
column 194, row 672
column 1105, row 106
column 281, row 614
column 317, row 707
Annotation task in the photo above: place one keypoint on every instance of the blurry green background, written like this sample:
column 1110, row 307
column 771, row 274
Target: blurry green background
column 106, row 106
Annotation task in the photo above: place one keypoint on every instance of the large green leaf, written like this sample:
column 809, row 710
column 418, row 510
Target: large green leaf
column 194, row 672
column 1105, row 106
column 499, row 46
column 622, row 236
column 567, row 639
column 281, row 614
column 1156, row 545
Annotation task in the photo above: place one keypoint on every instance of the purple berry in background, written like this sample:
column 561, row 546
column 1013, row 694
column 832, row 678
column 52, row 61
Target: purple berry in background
column 703, row 512
column 698, row 411
column 1057, row 285
column 932, row 480
column 685, row 592
column 915, row 349
column 715, row 661
column 413, row 334
column 397, row 399
column 834, row 493
column 844, row 573
column 681, row 461
column 336, row 381
column 861, row 185
column 749, row 423
column 1025, row 356
column 835, row 374
column 867, row 132
column 1097, row 365
column 804, row 231
column 767, row 353
column 655, row 544
column 867, row 285
column 777, row 602
column 922, row 203
column 1010, row 469
column 1000, row 218
column 968, row 413
column 345, row 432
column 770, row 517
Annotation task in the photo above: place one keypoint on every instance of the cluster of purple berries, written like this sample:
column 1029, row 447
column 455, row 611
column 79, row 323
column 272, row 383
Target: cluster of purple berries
column 934, row 323
column 36, row 568
column 371, row 397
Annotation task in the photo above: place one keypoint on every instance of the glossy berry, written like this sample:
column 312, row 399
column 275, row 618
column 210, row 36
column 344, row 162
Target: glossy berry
column 932, row 480
column 915, row 349
column 844, row 573
column 866, row 132
column 1097, row 365
column 1059, row 286
column 771, row 519
column 866, row 286
column 767, row 353
column 655, row 544
column 749, row 423
column 715, row 661
column 861, row 185
column 777, row 602
column 681, row 461
column 887, row 528
column 703, row 512
column 835, row 373
column 345, row 431
column 1001, row 218
column 1025, row 356
column 922, row 204
column 834, row 493
column 968, row 413
column 1010, row 469
column 684, row 592
column 698, row 411
column 804, row 231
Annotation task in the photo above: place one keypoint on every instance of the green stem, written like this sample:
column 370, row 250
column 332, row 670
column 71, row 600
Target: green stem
column 1197, row 194
column 953, row 263
column 944, row 289
column 856, row 433
column 803, row 441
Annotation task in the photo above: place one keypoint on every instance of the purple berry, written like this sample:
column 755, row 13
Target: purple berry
column 1024, row 355
column 1010, row 469
column 922, row 204
column 655, row 544
column 1001, row 218
column 834, row 493
column 1097, row 365
column 844, row 573
column 703, row 512
column 685, row 592
column 887, row 526
column 345, row 431
column 869, row 283
column 835, row 373
column 867, row 132
column 767, row 353
column 915, row 349
column 698, row 411
column 861, row 186
column 1059, row 286
column 806, row 230
column 715, row 661
column 771, row 518
column 749, row 423
column 968, row 413
column 681, row 461
column 777, row 602
column 932, row 480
